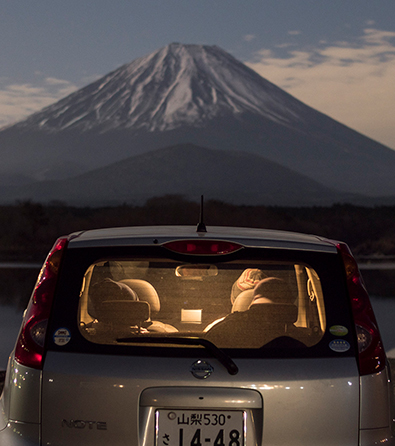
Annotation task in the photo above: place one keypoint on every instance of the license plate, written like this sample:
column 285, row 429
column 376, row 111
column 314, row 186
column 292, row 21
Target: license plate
column 200, row 428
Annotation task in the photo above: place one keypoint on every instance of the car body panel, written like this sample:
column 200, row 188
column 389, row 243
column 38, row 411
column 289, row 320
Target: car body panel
column 375, row 400
column 376, row 436
column 114, row 390
column 24, row 385
column 162, row 234
column 103, row 391
column 20, row 434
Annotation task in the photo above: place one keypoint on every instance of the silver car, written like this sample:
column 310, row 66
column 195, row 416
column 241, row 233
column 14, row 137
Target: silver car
column 172, row 336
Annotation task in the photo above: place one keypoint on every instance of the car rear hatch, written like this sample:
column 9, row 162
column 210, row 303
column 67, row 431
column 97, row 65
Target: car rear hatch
column 182, row 343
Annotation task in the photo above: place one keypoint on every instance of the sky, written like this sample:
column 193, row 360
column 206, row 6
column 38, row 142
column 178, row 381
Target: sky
column 338, row 56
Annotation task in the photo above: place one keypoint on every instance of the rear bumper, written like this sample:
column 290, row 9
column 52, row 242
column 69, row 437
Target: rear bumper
column 20, row 434
column 26, row 434
column 370, row 437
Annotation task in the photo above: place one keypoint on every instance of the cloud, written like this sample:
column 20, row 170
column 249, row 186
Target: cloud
column 249, row 37
column 352, row 82
column 54, row 81
column 18, row 101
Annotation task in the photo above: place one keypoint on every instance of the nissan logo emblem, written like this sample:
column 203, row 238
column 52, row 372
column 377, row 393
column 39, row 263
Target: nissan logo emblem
column 201, row 369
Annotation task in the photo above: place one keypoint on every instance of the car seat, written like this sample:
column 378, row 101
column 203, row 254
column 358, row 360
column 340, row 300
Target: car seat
column 116, row 307
column 243, row 301
column 147, row 293
column 254, row 328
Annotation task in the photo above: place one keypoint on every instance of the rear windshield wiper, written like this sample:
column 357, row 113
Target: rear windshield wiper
column 222, row 357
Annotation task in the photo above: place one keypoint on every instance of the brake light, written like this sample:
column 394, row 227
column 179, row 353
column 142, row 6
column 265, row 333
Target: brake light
column 202, row 247
column 371, row 354
column 29, row 348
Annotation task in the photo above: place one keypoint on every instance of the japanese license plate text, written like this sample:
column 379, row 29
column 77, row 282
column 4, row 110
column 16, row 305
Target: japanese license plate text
column 199, row 428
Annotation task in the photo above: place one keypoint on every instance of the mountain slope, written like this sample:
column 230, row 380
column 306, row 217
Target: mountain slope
column 187, row 170
column 192, row 94
column 175, row 86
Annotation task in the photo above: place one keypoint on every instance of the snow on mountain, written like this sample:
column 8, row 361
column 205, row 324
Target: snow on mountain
column 192, row 94
column 174, row 86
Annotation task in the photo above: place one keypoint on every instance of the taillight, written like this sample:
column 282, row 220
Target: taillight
column 202, row 247
column 29, row 348
column 371, row 352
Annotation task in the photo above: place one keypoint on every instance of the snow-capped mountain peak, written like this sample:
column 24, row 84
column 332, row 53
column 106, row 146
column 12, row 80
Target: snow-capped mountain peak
column 191, row 94
column 174, row 86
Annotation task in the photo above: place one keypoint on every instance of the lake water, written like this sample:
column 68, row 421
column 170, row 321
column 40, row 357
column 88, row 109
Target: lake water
column 17, row 284
column 10, row 320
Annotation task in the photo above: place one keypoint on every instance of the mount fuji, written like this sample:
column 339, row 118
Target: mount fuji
column 190, row 94
column 179, row 85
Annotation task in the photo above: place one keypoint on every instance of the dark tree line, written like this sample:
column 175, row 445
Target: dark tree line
column 28, row 229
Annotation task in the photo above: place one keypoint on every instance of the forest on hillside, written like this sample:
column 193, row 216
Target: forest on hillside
column 28, row 229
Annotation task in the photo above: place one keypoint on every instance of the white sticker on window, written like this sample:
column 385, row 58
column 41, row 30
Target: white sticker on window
column 61, row 336
column 338, row 330
column 339, row 345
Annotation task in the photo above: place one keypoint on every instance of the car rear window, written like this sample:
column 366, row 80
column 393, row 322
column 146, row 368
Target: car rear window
column 239, row 304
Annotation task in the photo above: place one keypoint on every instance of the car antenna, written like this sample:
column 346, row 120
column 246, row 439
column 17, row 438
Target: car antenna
column 201, row 227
